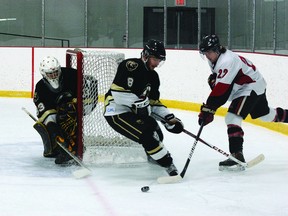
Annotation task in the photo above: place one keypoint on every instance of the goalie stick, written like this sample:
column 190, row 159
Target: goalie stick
column 78, row 173
column 81, row 173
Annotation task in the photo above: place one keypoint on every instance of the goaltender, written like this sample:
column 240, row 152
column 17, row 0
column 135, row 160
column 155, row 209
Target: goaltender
column 55, row 99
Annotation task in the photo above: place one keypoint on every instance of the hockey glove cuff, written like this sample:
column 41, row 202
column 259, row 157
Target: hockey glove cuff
column 142, row 107
column 206, row 114
column 173, row 124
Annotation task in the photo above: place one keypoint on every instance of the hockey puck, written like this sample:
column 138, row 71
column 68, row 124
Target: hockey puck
column 145, row 189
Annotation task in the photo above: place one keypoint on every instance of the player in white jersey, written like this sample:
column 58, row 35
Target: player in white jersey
column 236, row 79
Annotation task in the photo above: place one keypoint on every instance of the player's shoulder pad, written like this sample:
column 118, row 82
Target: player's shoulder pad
column 132, row 64
column 40, row 86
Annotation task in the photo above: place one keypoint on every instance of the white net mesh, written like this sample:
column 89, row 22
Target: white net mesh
column 101, row 144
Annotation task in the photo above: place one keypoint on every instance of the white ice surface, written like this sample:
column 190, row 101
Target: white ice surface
column 31, row 185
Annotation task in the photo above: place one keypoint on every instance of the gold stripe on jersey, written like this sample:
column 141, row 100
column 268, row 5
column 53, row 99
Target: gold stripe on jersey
column 120, row 126
column 156, row 103
column 46, row 114
column 129, row 125
column 107, row 100
column 155, row 150
column 115, row 87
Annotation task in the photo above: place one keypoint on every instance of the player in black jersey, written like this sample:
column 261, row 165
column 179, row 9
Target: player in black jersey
column 133, row 95
column 55, row 99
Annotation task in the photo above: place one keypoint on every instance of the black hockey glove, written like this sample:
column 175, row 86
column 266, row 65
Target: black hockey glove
column 173, row 124
column 66, row 114
column 211, row 80
column 142, row 107
column 206, row 114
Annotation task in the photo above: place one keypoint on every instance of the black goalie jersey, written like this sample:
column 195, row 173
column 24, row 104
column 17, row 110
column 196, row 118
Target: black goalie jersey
column 45, row 98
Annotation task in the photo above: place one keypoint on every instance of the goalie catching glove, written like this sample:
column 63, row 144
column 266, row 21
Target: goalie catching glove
column 206, row 114
column 142, row 107
column 66, row 114
column 173, row 124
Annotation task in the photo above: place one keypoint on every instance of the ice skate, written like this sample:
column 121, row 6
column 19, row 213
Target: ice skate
column 151, row 160
column 63, row 158
column 172, row 170
column 231, row 165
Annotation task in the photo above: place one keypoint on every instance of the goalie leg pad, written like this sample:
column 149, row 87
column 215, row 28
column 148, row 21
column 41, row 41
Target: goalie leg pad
column 67, row 120
column 47, row 134
column 63, row 158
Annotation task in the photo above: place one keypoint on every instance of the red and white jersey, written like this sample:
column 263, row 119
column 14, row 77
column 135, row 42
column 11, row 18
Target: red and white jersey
column 236, row 77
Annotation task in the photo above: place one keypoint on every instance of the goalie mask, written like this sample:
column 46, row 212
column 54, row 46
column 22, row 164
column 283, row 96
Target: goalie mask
column 50, row 69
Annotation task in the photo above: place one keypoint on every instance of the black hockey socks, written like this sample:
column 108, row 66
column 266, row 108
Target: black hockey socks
column 282, row 115
column 235, row 135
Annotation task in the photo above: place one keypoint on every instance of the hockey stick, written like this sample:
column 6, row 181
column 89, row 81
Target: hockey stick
column 249, row 164
column 177, row 178
column 81, row 173
column 78, row 173
column 29, row 114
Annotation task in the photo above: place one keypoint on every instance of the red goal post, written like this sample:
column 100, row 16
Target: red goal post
column 74, row 60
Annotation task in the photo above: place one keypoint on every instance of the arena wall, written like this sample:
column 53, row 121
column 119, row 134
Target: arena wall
column 183, row 76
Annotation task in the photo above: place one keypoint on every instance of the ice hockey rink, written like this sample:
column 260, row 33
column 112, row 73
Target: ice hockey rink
column 31, row 185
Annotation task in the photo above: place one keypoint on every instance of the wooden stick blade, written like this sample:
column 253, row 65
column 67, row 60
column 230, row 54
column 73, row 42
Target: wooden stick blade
column 169, row 179
column 255, row 161
column 82, row 173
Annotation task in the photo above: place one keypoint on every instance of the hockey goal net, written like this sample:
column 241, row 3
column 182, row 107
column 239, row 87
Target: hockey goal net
column 98, row 143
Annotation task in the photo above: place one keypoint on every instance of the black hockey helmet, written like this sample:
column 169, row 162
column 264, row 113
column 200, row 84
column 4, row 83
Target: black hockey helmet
column 154, row 48
column 209, row 42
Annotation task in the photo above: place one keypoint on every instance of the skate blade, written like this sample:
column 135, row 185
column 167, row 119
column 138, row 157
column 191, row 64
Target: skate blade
column 234, row 168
